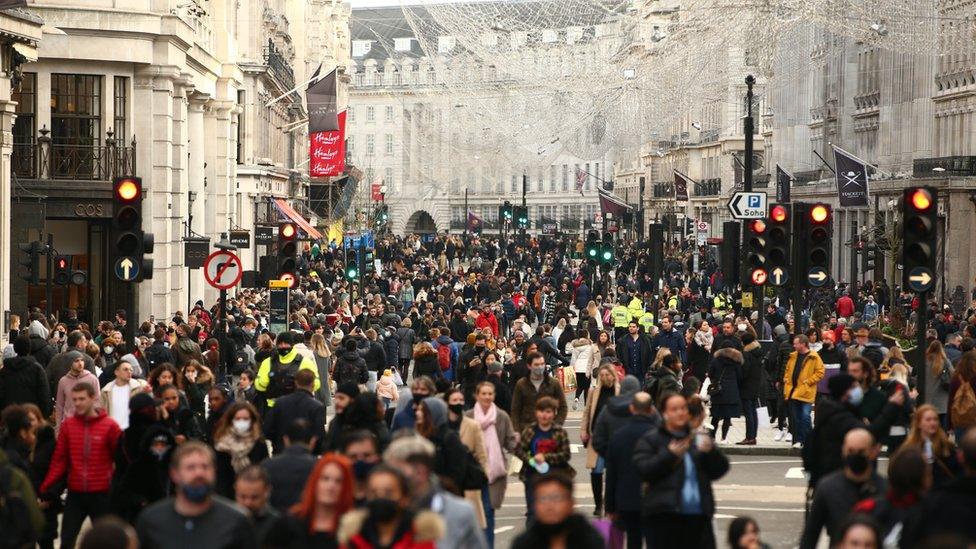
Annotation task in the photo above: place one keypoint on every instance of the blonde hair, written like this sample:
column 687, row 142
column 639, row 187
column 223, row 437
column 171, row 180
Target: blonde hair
column 659, row 357
column 319, row 347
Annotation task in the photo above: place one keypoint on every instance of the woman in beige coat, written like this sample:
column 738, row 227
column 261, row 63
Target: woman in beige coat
column 606, row 388
column 500, row 441
column 470, row 434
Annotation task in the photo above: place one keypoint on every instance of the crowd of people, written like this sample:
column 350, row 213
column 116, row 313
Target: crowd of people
column 392, row 414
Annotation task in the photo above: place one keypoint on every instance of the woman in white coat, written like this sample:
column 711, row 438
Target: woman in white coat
column 585, row 357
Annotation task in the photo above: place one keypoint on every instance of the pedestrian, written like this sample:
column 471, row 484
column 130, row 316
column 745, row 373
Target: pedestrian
column 500, row 439
column 961, row 411
column 927, row 436
column 606, row 388
column 27, row 445
column 585, row 359
column 300, row 404
column 289, row 470
column 837, row 493
column 23, row 380
column 751, row 386
column 176, row 415
column 284, row 365
column 145, row 480
column 405, row 416
column 636, row 351
column 744, row 534
column 680, row 466
column 450, row 461
column 425, row 362
column 116, row 395
column 725, row 374
column 536, row 385
column 324, row 362
column 407, row 338
column 64, row 406
column 85, row 451
column 252, row 491
column 555, row 524
column 908, row 482
column 803, row 371
column 859, row 532
column 613, row 415
column 363, row 449
column 387, row 390
column 238, row 443
column 623, row 503
column 543, row 447
column 194, row 518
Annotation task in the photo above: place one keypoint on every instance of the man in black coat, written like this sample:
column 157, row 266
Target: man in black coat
column 635, row 351
column 289, row 470
column 623, row 499
column 300, row 404
column 23, row 380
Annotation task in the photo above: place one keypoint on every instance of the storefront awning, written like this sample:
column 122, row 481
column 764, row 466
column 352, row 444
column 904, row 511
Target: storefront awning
column 282, row 206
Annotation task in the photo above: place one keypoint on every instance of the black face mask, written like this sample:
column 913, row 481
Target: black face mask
column 458, row 409
column 479, row 348
column 417, row 399
column 361, row 469
column 282, row 351
column 552, row 530
column 382, row 510
column 857, row 463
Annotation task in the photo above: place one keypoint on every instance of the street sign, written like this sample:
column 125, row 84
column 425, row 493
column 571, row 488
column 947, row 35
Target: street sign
column 779, row 276
column 745, row 205
column 127, row 269
column 702, row 226
column 747, row 300
column 279, row 284
column 223, row 269
column 195, row 252
column 921, row 279
column 241, row 239
column 288, row 279
column 817, row 277
column 264, row 235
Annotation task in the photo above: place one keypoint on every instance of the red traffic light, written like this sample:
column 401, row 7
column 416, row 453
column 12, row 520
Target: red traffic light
column 778, row 213
column 287, row 231
column 757, row 226
column 921, row 199
column 819, row 213
column 62, row 263
column 759, row 277
column 127, row 189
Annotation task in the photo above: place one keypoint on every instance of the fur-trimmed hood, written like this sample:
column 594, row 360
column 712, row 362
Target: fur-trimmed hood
column 751, row 346
column 427, row 526
column 728, row 353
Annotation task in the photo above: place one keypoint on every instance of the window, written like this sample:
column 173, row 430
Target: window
column 586, row 182
column 445, row 44
column 402, row 44
column 361, row 47
column 370, row 144
column 76, row 109
column 390, row 114
column 351, row 114
column 121, row 106
column 351, row 144
column 596, row 172
column 565, row 177
column 552, row 178
column 514, row 184
column 240, row 126
column 388, row 176
column 388, row 144
column 25, row 127
column 370, row 114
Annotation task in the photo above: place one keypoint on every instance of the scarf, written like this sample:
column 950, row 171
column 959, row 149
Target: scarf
column 704, row 339
column 496, row 461
column 239, row 449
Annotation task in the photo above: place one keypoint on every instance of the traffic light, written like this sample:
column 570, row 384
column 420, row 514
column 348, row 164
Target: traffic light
column 522, row 217
column 62, row 270
column 814, row 229
column 131, row 244
column 287, row 249
column 352, row 265
column 382, row 215
column 31, row 261
column 919, row 232
column 592, row 249
column 757, row 242
column 369, row 261
column 606, row 250
column 869, row 257
column 779, row 236
column 506, row 213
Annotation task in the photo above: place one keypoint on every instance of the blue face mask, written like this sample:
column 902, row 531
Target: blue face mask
column 856, row 396
column 197, row 493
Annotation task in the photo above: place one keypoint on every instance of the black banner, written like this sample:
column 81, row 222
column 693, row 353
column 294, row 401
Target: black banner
column 241, row 239
column 681, row 182
column 320, row 96
column 264, row 235
column 852, row 179
column 195, row 252
column 783, row 181
column 7, row 4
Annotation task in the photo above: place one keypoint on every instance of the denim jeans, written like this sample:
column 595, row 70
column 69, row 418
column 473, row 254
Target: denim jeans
column 749, row 406
column 489, row 516
column 800, row 419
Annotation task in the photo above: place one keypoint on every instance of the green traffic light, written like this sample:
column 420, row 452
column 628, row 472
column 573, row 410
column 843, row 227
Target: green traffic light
column 592, row 252
column 607, row 256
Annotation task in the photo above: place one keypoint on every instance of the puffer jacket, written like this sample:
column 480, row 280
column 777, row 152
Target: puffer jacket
column 23, row 380
column 752, row 371
column 812, row 370
column 585, row 356
column 425, row 364
column 85, row 451
column 726, row 372
column 350, row 368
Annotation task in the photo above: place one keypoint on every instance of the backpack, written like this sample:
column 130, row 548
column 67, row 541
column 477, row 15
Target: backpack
column 444, row 357
column 281, row 377
column 964, row 406
column 241, row 362
column 15, row 520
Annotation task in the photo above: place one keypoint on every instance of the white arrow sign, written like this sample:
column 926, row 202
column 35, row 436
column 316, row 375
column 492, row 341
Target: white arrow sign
column 749, row 205
column 923, row 278
column 126, row 267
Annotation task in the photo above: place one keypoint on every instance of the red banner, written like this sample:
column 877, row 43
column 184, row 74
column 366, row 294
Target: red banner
column 376, row 192
column 327, row 151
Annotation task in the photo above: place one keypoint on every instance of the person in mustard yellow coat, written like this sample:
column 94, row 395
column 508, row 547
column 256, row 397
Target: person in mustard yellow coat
column 804, row 369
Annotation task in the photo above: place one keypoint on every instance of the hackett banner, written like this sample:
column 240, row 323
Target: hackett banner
column 783, row 180
column 376, row 192
column 681, row 182
column 327, row 151
column 852, row 179
column 320, row 97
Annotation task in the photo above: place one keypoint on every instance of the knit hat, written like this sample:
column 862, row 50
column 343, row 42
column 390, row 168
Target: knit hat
column 349, row 388
column 22, row 346
column 495, row 367
column 839, row 385
column 73, row 356
column 629, row 385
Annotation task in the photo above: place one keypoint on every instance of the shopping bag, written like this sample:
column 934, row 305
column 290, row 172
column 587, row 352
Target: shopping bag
column 569, row 379
column 613, row 537
column 514, row 466
column 763, row 414
column 397, row 378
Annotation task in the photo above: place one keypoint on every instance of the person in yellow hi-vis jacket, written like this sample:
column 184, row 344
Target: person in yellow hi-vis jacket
column 276, row 374
column 636, row 308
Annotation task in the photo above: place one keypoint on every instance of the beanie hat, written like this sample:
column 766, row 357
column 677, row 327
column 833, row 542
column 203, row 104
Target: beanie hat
column 349, row 345
column 495, row 367
column 22, row 346
column 629, row 385
column 839, row 384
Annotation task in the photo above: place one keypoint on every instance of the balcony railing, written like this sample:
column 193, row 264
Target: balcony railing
column 959, row 166
column 663, row 190
column 278, row 66
column 761, row 181
column 45, row 159
column 806, row 177
column 708, row 187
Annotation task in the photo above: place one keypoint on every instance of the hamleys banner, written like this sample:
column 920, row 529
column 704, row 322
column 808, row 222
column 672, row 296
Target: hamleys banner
column 327, row 151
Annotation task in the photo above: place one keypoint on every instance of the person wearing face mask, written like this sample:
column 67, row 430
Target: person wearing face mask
column 194, row 518
column 471, row 436
column 555, row 524
column 838, row 492
column 363, row 449
column 276, row 375
column 529, row 389
column 146, row 480
column 238, row 443
column 836, row 416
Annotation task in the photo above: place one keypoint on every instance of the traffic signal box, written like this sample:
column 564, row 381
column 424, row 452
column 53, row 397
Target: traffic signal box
column 813, row 230
column 352, row 264
column 919, row 233
column 593, row 247
column 287, row 251
column 607, row 251
column 522, row 217
column 128, row 238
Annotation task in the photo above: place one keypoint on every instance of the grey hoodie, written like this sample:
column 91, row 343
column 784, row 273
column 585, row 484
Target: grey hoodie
column 37, row 329
column 437, row 410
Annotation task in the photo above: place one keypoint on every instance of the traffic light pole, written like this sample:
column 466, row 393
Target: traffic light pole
column 921, row 326
column 748, row 130
column 525, row 185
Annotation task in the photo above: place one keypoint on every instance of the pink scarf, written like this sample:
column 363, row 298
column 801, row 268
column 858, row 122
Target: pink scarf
column 496, row 461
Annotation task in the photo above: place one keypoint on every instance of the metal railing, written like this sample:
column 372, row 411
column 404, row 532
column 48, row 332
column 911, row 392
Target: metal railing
column 278, row 66
column 44, row 159
column 708, row 187
column 962, row 166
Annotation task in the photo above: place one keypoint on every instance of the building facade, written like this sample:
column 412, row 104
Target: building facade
column 177, row 94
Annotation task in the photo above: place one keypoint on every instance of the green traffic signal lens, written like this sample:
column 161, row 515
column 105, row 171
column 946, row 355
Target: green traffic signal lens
column 607, row 256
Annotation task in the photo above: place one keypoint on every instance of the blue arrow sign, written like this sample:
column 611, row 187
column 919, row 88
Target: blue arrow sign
column 920, row 279
column 817, row 277
column 127, row 269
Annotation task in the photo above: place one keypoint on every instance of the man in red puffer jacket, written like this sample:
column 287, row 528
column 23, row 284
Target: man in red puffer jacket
column 84, row 451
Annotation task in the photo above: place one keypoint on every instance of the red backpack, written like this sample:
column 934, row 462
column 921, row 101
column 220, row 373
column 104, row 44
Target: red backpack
column 444, row 357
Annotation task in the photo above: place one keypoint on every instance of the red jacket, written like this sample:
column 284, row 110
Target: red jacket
column 85, row 451
column 845, row 306
column 487, row 321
